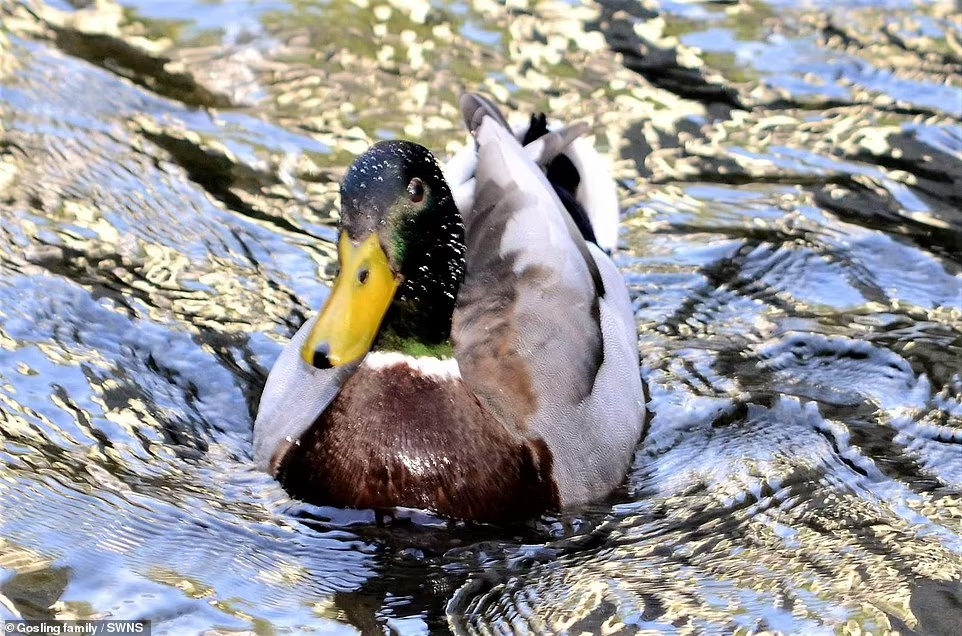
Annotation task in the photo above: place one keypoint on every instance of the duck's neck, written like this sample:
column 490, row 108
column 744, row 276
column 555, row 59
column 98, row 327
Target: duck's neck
column 391, row 341
column 420, row 316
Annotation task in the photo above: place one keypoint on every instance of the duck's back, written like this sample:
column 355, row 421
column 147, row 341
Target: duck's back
column 544, row 330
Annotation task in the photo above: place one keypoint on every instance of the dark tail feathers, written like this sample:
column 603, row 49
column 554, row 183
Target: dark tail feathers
column 561, row 172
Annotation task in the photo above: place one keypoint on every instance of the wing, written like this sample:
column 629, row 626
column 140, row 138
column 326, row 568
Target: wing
column 544, row 332
column 526, row 327
column 595, row 191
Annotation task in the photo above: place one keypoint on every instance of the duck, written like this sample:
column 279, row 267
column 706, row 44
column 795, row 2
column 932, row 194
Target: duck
column 477, row 356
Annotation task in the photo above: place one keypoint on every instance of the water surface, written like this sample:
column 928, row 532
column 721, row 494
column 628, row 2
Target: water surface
column 791, row 182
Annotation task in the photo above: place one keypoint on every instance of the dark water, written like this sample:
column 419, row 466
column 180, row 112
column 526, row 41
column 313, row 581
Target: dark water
column 792, row 186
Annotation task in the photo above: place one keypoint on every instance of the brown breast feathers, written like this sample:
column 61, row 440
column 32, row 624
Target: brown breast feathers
column 394, row 437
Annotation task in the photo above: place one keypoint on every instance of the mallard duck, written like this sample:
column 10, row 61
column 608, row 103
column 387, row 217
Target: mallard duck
column 478, row 354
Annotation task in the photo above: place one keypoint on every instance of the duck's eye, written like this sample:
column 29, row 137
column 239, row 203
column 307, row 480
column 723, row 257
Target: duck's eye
column 362, row 275
column 416, row 190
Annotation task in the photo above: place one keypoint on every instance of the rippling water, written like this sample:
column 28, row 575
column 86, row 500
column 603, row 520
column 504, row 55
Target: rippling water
column 792, row 186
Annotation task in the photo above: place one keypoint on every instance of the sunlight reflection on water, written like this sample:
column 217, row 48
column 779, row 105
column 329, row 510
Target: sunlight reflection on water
column 791, row 187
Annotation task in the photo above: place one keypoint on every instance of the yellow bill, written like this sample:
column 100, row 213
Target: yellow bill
column 349, row 322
